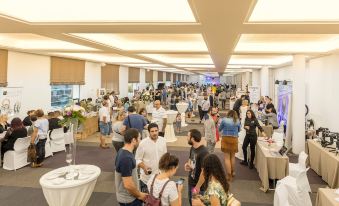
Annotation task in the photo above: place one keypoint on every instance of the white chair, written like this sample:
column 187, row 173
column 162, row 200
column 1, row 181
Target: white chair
column 57, row 138
column 241, row 138
column 278, row 138
column 295, row 169
column 17, row 158
column 48, row 149
column 290, row 192
column 69, row 137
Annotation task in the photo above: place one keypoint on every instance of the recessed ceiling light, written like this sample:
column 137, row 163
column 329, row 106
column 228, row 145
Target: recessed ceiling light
column 149, row 42
column 181, row 58
column 287, row 43
column 37, row 42
column 98, row 10
column 260, row 59
column 295, row 10
column 108, row 58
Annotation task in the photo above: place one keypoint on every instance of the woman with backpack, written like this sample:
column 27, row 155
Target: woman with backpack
column 162, row 190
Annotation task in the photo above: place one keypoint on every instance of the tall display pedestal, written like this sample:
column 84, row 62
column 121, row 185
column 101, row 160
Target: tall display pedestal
column 169, row 130
column 182, row 108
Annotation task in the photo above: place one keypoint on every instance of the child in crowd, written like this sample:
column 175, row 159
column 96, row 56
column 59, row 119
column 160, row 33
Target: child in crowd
column 178, row 123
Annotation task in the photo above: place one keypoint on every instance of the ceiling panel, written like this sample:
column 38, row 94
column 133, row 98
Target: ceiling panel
column 107, row 58
column 181, row 58
column 37, row 42
column 260, row 59
column 295, row 10
column 150, row 42
column 145, row 65
column 98, row 10
column 195, row 65
column 287, row 43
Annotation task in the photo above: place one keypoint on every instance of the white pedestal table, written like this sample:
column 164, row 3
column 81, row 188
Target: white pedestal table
column 169, row 130
column 182, row 108
column 75, row 192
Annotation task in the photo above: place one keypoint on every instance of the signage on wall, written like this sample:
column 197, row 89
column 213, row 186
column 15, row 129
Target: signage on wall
column 254, row 93
column 10, row 100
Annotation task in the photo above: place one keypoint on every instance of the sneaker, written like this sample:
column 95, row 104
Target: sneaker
column 244, row 163
column 251, row 166
column 34, row 165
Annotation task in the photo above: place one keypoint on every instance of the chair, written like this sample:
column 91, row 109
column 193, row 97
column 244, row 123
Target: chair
column 57, row 138
column 48, row 149
column 278, row 138
column 241, row 138
column 290, row 191
column 296, row 168
column 17, row 158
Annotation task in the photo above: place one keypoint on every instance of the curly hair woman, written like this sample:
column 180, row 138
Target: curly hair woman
column 217, row 190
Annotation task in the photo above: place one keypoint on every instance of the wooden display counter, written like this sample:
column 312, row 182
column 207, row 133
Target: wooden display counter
column 89, row 127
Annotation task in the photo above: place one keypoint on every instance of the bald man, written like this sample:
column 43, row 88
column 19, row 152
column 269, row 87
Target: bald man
column 159, row 117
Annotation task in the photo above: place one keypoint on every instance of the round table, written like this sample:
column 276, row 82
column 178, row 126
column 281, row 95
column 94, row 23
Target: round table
column 169, row 130
column 74, row 192
column 182, row 107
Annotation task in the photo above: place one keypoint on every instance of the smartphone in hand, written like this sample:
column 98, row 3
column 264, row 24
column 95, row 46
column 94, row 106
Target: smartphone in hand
column 180, row 181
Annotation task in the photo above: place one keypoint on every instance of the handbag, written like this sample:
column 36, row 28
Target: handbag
column 150, row 199
column 31, row 153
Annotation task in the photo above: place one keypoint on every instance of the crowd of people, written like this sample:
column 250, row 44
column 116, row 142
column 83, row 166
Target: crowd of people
column 36, row 124
column 143, row 166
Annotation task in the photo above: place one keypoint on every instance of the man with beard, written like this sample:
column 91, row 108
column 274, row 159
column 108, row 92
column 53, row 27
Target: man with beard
column 148, row 154
column 126, row 176
column 194, row 165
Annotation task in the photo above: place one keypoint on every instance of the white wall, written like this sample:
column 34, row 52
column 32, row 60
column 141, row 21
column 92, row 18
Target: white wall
column 32, row 73
column 194, row 78
column 92, row 81
column 321, row 89
column 123, row 81
column 256, row 77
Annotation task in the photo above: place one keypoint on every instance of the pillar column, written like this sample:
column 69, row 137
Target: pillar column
column 264, row 81
column 298, row 104
column 123, row 81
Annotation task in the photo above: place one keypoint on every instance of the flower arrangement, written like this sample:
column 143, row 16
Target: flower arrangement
column 71, row 113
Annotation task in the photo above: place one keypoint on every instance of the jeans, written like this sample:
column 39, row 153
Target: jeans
column 223, row 103
column 252, row 141
column 40, row 150
column 136, row 202
column 200, row 112
column 190, row 187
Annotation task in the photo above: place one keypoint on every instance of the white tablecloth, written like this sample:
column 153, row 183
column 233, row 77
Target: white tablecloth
column 182, row 107
column 169, row 130
column 70, row 192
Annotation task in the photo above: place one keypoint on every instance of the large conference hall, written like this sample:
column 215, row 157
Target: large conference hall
column 169, row 102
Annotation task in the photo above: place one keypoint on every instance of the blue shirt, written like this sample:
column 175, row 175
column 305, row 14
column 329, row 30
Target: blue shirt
column 136, row 121
column 229, row 128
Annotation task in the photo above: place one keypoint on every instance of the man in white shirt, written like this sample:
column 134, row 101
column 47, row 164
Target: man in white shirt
column 148, row 155
column 104, row 123
column 159, row 117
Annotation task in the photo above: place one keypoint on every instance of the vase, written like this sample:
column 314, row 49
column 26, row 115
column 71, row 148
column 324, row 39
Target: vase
column 74, row 130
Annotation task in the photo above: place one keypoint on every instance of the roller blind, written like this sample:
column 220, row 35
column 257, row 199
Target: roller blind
column 3, row 67
column 67, row 71
column 160, row 76
column 168, row 76
column 149, row 76
column 110, row 77
column 133, row 75
column 174, row 77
